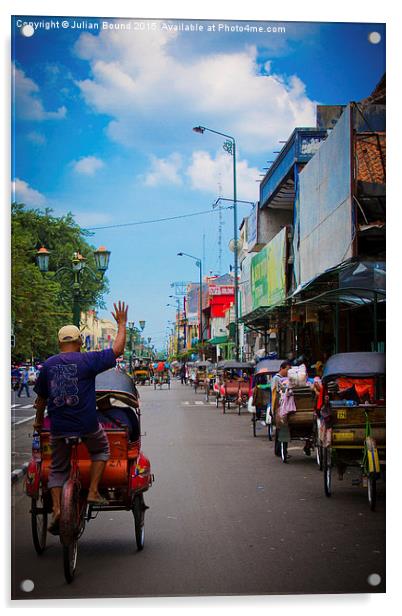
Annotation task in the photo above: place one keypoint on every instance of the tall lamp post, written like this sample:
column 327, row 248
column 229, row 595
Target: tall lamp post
column 77, row 266
column 131, row 332
column 230, row 147
column 198, row 263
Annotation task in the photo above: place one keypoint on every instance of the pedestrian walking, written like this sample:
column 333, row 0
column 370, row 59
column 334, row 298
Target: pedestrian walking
column 183, row 376
column 24, row 383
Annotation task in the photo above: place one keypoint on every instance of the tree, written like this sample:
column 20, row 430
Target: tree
column 42, row 303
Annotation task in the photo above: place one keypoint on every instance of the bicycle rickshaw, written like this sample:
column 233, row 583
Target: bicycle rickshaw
column 126, row 477
column 352, row 418
column 269, row 367
column 300, row 423
column 142, row 373
column 161, row 375
column 201, row 374
column 235, row 383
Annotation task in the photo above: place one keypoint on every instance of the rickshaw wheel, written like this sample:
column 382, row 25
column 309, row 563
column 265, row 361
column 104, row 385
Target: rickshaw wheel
column 139, row 517
column 318, row 452
column 254, row 421
column 327, row 470
column 372, row 490
column 284, row 452
column 70, row 553
column 277, row 448
column 217, row 402
column 223, row 406
column 270, row 431
column 38, row 526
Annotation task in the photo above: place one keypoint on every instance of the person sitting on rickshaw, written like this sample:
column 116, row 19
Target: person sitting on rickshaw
column 66, row 385
column 261, row 394
column 111, row 416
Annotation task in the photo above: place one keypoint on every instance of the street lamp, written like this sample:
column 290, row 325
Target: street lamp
column 230, row 147
column 131, row 331
column 198, row 263
column 102, row 257
column 42, row 257
column 77, row 266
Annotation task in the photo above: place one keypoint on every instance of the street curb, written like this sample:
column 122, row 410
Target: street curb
column 19, row 472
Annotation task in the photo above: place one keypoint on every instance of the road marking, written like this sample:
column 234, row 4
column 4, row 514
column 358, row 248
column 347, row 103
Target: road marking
column 27, row 406
column 186, row 402
column 199, row 402
column 17, row 423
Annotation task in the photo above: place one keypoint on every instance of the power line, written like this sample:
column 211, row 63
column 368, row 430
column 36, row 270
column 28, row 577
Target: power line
column 147, row 222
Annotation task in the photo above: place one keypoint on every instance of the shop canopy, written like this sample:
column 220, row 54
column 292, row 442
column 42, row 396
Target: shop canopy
column 354, row 283
column 218, row 340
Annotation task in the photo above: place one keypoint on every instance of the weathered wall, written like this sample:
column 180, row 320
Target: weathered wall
column 325, row 204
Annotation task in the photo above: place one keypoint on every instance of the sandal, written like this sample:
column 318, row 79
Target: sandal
column 97, row 501
column 54, row 527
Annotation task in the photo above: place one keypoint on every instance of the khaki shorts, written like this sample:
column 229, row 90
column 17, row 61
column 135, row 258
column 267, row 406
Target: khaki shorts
column 98, row 447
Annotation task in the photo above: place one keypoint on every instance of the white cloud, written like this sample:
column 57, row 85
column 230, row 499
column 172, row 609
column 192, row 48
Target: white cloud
column 22, row 193
column 28, row 104
column 164, row 171
column 215, row 175
column 142, row 86
column 88, row 165
column 37, row 138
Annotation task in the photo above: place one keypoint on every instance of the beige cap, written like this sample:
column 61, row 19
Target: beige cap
column 69, row 333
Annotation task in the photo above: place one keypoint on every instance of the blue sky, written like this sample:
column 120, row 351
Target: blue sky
column 102, row 127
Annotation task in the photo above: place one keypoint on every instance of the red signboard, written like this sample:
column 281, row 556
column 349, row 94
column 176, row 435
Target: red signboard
column 221, row 290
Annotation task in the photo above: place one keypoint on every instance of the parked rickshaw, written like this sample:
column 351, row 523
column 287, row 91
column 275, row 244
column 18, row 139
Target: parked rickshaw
column 126, row 477
column 142, row 373
column 352, row 418
column 201, row 375
column 235, row 383
column 269, row 367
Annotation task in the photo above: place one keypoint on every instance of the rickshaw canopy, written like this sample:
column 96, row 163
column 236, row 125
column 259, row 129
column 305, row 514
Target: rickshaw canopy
column 203, row 364
column 355, row 365
column 268, row 366
column 118, row 384
column 231, row 364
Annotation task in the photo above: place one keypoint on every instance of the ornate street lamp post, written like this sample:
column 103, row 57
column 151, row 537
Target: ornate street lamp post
column 77, row 266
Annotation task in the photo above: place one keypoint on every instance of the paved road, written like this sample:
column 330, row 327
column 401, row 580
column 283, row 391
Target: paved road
column 226, row 517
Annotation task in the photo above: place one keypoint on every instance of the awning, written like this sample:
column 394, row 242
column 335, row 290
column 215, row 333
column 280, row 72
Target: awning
column 218, row 340
column 350, row 296
column 259, row 316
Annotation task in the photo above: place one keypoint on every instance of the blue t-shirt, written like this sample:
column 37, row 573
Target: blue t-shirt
column 67, row 381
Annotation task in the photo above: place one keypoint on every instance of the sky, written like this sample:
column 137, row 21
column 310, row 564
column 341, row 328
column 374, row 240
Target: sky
column 102, row 127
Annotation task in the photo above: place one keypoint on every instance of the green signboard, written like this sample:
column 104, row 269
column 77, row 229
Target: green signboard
column 259, row 279
column 268, row 273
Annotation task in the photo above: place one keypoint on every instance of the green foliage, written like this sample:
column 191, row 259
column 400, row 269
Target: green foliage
column 42, row 303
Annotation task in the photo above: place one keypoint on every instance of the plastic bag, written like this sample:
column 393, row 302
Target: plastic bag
column 250, row 407
column 268, row 417
column 297, row 376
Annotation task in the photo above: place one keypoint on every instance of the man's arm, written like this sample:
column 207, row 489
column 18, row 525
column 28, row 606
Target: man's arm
column 120, row 316
column 40, row 406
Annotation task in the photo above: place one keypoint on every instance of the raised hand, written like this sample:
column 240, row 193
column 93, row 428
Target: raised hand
column 120, row 313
